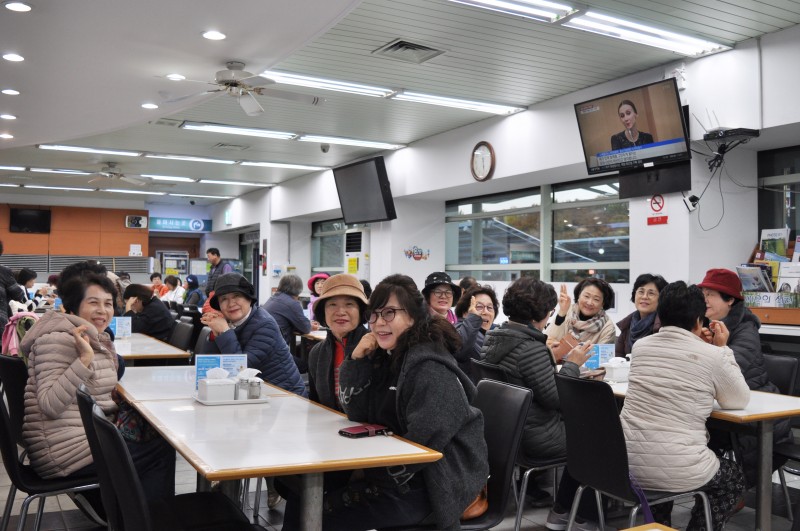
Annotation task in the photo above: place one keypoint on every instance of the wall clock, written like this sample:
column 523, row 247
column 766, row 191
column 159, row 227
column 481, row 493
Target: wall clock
column 482, row 161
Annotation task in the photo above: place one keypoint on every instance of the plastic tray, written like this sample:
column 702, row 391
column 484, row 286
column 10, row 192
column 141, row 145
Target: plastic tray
column 264, row 399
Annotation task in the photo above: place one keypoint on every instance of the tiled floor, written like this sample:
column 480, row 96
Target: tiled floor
column 60, row 512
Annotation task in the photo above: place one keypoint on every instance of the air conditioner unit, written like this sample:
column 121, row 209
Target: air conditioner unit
column 136, row 222
column 356, row 253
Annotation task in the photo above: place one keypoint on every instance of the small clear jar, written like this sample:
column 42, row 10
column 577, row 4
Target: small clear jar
column 242, row 389
column 254, row 390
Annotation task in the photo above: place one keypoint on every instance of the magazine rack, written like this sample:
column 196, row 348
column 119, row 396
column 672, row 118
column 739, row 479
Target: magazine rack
column 781, row 316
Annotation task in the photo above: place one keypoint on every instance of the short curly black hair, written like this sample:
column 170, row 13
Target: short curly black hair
column 462, row 306
column 529, row 299
column 647, row 278
column 602, row 285
column 681, row 305
column 73, row 290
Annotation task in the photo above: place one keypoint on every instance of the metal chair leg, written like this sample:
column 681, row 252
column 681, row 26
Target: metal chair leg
column 12, row 492
column 23, row 513
column 38, row 522
column 789, row 512
column 573, row 512
column 601, row 517
column 706, row 509
column 521, row 499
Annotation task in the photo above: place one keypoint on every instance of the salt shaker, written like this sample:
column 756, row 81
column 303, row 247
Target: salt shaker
column 241, row 389
column 254, row 390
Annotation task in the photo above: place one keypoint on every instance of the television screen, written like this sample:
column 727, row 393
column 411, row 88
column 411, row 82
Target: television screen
column 636, row 128
column 364, row 191
column 30, row 220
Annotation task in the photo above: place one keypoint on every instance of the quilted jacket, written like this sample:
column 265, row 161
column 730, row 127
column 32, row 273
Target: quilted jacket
column 521, row 350
column 9, row 291
column 53, row 431
column 260, row 338
column 675, row 378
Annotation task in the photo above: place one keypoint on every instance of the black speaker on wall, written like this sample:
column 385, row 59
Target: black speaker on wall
column 661, row 180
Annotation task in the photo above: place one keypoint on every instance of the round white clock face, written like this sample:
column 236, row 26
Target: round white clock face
column 482, row 161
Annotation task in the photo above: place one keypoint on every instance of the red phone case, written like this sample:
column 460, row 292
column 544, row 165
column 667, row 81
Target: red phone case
column 364, row 430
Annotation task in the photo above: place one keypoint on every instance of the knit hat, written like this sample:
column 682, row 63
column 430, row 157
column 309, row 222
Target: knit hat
column 723, row 280
column 192, row 281
column 437, row 279
column 232, row 283
column 313, row 279
column 341, row 284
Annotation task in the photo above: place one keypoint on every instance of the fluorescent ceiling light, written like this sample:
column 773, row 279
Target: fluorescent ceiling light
column 457, row 103
column 9, row 185
column 175, row 77
column 8, row 117
column 236, row 183
column 213, row 35
column 639, row 33
column 349, row 142
column 168, row 178
column 117, row 191
column 6, row 136
column 81, row 149
column 13, row 168
column 10, row 92
column 203, row 196
column 56, row 170
column 67, row 188
column 540, row 10
column 149, row 106
column 282, row 165
column 13, row 57
column 232, row 130
column 326, row 84
column 190, row 159
column 19, row 7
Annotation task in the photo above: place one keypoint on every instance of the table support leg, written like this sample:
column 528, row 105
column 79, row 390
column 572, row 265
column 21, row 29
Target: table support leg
column 231, row 488
column 311, row 502
column 764, row 491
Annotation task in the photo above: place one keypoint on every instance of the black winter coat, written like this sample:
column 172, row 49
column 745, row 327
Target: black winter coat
column 154, row 320
column 9, row 291
column 522, row 351
column 745, row 343
column 320, row 367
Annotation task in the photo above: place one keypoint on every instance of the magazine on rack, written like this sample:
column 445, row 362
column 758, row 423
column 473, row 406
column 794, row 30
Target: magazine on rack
column 775, row 240
column 754, row 279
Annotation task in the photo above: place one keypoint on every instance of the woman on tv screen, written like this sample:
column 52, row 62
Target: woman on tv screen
column 631, row 136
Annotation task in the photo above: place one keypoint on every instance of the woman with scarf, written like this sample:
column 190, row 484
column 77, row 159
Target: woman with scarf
column 644, row 320
column 585, row 320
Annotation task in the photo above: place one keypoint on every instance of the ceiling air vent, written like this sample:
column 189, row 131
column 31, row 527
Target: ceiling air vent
column 408, row 52
column 229, row 147
column 167, row 122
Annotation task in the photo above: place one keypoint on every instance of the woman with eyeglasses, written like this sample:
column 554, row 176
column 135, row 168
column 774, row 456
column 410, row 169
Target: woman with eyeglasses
column 476, row 310
column 585, row 320
column 400, row 376
column 643, row 321
column 441, row 293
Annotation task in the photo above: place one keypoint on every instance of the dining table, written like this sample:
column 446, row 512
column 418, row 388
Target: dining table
column 762, row 411
column 143, row 347
column 277, row 435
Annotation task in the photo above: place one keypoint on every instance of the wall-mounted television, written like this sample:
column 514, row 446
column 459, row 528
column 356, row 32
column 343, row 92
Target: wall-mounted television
column 637, row 128
column 364, row 191
column 30, row 220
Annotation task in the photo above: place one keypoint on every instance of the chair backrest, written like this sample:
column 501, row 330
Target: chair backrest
column 782, row 371
column 179, row 308
column 484, row 370
column 200, row 347
column 174, row 314
column 181, row 336
column 14, row 376
column 186, row 319
column 108, row 492
column 8, row 446
column 504, row 407
column 133, row 508
column 596, row 451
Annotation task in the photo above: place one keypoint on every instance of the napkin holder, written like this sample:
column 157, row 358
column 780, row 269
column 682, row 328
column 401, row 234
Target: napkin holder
column 617, row 369
column 216, row 386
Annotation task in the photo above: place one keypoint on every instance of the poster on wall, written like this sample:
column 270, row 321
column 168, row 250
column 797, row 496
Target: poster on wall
column 416, row 253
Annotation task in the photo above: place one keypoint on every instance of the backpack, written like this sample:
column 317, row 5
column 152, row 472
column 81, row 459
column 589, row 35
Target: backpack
column 16, row 328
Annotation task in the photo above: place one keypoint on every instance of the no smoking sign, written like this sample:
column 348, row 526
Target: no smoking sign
column 657, row 216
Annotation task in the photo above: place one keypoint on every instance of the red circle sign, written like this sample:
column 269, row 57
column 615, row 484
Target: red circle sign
column 657, row 203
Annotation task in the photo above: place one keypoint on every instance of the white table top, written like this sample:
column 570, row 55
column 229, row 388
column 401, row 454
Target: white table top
column 779, row 330
column 762, row 406
column 140, row 346
column 168, row 383
column 316, row 335
column 288, row 435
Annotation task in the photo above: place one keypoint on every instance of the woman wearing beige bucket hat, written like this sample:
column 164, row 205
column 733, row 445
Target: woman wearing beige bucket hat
column 341, row 307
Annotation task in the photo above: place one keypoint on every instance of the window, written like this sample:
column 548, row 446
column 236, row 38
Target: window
column 327, row 245
column 501, row 237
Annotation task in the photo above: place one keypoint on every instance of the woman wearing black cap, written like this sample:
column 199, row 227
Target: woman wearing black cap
column 243, row 327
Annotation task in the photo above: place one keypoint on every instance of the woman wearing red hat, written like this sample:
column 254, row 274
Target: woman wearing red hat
column 722, row 290
column 315, row 287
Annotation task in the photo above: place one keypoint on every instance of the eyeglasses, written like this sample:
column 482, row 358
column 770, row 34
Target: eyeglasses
column 387, row 314
column 652, row 294
column 443, row 293
column 481, row 307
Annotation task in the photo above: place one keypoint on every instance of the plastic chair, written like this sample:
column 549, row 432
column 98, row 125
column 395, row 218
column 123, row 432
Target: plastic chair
column 186, row 319
column 198, row 510
column 484, row 370
column 14, row 377
column 201, row 347
column 181, row 336
column 25, row 479
column 504, row 407
column 782, row 371
column 174, row 315
column 596, row 453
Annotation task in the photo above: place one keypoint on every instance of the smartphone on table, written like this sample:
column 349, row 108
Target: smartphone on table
column 364, row 430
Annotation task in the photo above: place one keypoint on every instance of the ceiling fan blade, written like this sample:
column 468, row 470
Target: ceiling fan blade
column 168, row 99
column 257, row 81
column 133, row 180
column 250, row 104
column 290, row 96
column 97, row 179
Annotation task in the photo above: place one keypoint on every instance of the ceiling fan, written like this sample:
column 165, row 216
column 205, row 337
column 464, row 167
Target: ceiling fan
column 110, row 172
column 243, row 85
